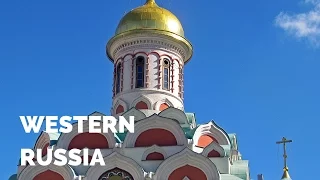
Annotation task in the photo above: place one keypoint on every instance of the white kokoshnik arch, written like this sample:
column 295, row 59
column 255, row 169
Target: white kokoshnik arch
column 213, row 146
column 154, row 149
column 183, row 158
column 31, row 172
column 144, row 99
column 174, row 113
column 122, row 103
column 42, row 141
column 116, row 160
column 156, row 122
column 164, row 101
column 211, row 129
column 65, row 138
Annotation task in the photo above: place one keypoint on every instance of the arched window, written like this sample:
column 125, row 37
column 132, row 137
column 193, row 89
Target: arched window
column 166, row 74
column 140, row 72
column 118, row 78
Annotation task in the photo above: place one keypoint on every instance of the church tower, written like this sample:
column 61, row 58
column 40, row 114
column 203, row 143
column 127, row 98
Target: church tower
column 149, row 52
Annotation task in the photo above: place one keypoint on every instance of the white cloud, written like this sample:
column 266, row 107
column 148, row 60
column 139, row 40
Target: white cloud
column 303, row 25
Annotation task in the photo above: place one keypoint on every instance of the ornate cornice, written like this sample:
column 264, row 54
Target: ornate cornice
column 145, row 38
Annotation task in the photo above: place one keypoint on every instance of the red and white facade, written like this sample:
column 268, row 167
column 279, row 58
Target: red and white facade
column 168, row 144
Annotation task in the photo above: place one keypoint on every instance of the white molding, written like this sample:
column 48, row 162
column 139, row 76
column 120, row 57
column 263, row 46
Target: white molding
column 148, row 91
column 31, row 172
column 153, row 122
column 183, row 158
column 120, row 102
column 143, row 98
column 212, row 130
column 154, row 149
column 65, row 138
column 174, row 113
column 116, row 160
column 153, row 41
column 213, row 146
column 158, row 104
column 42, row 140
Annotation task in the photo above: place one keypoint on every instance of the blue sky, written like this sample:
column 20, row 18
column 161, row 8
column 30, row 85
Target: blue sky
column 255, row 71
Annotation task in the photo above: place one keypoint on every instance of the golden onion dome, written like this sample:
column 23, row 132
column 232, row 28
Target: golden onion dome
column 150, row 16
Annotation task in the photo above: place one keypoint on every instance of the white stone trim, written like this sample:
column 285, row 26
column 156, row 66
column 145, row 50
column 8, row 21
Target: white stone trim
column 213, row 146
column 31, row 172
column 146, row 90
column 116, row 160
column 212, row 130
column 143, row 98
column 158, row 104
column 65, row 138
column 153, row 122
column 153, row 149
column 183, row 158
column 42, row 140
column 153, row 41
column 174, row 113
column 122, row 103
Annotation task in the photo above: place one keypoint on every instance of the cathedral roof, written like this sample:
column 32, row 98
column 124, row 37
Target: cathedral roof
column 152, row 17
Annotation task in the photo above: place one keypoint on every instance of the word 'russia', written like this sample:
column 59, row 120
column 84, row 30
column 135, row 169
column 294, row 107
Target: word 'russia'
column 96, row 124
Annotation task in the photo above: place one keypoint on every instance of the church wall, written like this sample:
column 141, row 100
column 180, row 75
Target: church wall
column 153, row 70
column 127, row 72
column 222, row 164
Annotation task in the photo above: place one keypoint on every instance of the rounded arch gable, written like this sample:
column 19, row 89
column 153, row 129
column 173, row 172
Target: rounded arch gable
column 142, row 102
column 189, row 172
column 120, row 109
column 116, row 174
column 152, row 123
column 42, row 172
column 119, row 106
column 213, row 153
column 154, row 153
column 176, row 166
column 205, row 140
column 213, row 150
column 155, row 156
column 116, row 161
column 210, row 133
column 163, row 106
column 141, row 105
column 74, row 138
column 48, row 175
column 174, row 113
column 89, row 140
column 157, row 136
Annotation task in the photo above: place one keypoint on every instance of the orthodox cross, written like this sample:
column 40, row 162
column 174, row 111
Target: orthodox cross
column 284, row 141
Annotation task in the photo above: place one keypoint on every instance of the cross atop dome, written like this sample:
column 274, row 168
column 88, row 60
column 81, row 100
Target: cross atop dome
column 285, row 175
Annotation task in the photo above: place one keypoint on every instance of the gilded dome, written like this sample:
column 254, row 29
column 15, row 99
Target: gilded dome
column 150, row 16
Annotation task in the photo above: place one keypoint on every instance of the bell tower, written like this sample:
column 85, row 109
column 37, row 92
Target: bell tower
column 149, row 52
